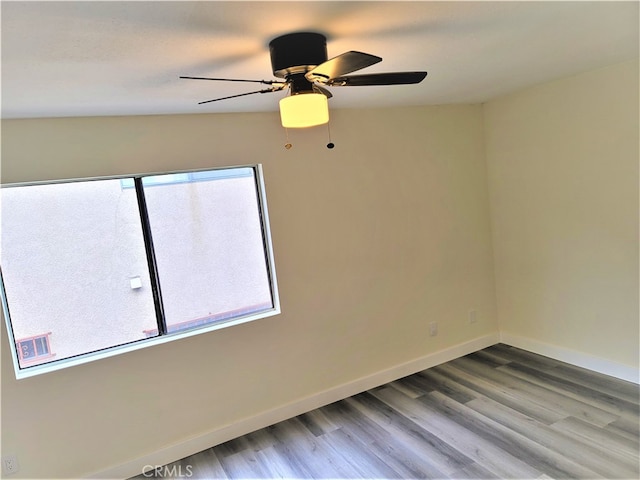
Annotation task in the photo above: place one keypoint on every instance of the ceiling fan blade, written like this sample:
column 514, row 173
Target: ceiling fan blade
column 394, row 78
column 265, row 82
column 266, row 90
column 341, row 65
column 317, row 88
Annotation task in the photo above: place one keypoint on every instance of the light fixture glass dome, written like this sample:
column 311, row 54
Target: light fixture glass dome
column 304, row 110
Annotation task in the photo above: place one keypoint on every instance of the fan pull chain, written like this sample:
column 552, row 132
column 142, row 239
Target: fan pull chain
column 288, row 144
column 330, row 145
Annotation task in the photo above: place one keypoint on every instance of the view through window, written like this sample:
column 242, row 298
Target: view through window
column 92, row 265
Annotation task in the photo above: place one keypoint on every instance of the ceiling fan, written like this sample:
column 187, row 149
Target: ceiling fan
column 300, row 59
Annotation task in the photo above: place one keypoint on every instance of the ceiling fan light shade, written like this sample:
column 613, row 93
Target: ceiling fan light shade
column 304, row 110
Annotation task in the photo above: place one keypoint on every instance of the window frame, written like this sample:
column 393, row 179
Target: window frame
column 163, row 337
column 36, row 358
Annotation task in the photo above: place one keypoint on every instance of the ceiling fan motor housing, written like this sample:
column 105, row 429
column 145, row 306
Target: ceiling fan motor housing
column 297, row 53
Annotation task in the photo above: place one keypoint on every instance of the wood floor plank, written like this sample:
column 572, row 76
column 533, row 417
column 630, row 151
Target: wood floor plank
column 318, row 423
column 503, row 394
column 474, row 471
column 514, row 354
column 418, row 384
column 598, row 398
column 584, row 430
column 599, row 438
column 261, row 439
column 408, row 462
column 509, row 353
column 475, row 447
column 455, row 390
column 204, row 466
column 620, row 389
column 398, row 446
column 510, row 436
column 242, row 465
column 410, row 435
column 626, row 390
column 277, row 464
column 621, row 432
column 490, row 358
column 537, row 393
column 501, row 412
column 575, row 458
column 306, row 453
column 232, row 447
column 362, row 458
column 627, row 424
column 366, row 429
column 347, row 466
column 410, row 386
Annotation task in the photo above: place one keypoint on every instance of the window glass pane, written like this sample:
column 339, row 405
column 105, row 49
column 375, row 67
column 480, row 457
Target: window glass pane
column 28, row 349
column 209, row 248
column 69, row 252
column 41, row 346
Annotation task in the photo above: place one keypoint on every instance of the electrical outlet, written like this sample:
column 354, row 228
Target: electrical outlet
column 433, row 329
column 473, row 318
column 10, row 464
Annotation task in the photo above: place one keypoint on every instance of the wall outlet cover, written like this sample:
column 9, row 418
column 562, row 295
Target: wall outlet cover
column 10, row 464
column 433, row 329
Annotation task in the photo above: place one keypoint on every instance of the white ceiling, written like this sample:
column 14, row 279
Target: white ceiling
column 124, row 58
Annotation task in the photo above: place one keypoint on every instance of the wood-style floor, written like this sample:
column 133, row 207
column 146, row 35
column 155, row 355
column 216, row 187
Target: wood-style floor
column 498, row 413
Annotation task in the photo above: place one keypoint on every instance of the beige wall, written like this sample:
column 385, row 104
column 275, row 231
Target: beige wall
column 372, row 241
column 563, row 179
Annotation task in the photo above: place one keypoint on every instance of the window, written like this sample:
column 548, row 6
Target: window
column 34, row 349
column 110, row 265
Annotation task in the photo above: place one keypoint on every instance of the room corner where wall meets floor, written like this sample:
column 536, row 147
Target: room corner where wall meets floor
column 196, row 444
column 482, row 415
column 590, row 362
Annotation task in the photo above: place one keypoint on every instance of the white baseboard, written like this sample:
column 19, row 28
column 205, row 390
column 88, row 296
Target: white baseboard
column 591, row 362
column 196, row 444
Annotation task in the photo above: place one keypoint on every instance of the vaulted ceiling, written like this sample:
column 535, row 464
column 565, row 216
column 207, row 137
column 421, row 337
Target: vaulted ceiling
column 124, row 58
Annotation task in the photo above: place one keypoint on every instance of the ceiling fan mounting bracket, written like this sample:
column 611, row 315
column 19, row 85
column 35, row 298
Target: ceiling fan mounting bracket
column 296, row 53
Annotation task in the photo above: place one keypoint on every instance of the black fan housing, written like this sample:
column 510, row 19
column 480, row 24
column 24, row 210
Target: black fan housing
column 297, row 53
